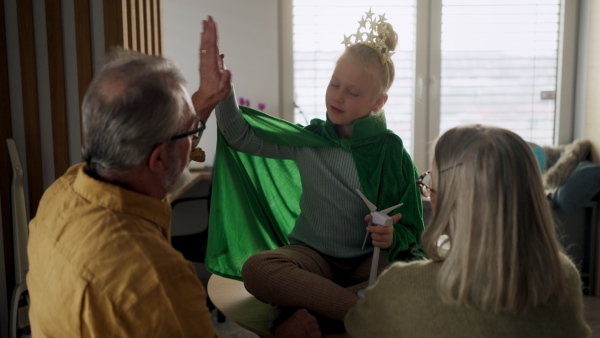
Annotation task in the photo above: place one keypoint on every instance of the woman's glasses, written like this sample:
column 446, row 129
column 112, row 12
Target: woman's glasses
column 424, row 183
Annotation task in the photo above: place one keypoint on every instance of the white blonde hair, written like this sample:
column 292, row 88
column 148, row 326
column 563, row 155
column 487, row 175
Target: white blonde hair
column 491, row 205
column 383, row 71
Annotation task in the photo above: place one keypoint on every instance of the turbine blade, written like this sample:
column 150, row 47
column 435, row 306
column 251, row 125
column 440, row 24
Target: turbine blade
column 365, row 240
column 385, row 212
column 371, row 206
column 366, row 235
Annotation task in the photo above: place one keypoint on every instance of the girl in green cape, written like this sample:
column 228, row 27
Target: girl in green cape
column 285, row 215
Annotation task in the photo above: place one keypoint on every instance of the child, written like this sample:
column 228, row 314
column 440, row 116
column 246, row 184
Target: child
column 325, row 264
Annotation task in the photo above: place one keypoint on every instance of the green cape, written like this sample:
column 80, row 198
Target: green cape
column 255, row 200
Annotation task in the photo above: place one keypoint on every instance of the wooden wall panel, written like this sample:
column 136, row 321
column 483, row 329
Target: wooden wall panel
column 148, row 26
column 83, row 38
column 33, row 147
column 133, row 24
column 141, row 33
column 158, row 27
column 155, row 28
column 58, row 95
column 5, row 167
column 115, row 24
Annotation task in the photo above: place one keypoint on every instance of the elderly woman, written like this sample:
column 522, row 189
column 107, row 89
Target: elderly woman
column 496, row 268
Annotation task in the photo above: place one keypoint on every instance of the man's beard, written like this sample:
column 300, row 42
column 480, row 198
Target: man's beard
column 174, row 181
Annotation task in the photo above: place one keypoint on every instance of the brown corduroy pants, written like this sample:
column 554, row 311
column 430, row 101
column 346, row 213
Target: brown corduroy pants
column 297, row 276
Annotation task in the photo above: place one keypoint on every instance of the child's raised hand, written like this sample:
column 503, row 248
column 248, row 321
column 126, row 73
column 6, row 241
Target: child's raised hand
column 382, row 236
column 215, row 80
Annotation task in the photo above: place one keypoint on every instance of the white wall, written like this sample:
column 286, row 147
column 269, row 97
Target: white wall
column 248, row 36
column 592, row 71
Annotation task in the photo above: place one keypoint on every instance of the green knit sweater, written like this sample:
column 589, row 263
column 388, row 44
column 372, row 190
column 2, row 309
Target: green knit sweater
column 404, row 302
column 278, row 183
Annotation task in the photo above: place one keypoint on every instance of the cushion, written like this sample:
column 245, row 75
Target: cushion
column 539, row 155
column 580, row 188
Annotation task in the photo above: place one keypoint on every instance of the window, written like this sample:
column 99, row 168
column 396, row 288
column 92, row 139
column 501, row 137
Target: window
column 499, row 65
column 457, row 62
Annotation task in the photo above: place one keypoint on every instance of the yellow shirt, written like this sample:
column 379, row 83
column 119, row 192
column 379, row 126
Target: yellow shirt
column 101, row 265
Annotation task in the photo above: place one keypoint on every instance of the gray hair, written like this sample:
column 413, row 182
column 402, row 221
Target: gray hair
column 134, row 103
column 491, row 205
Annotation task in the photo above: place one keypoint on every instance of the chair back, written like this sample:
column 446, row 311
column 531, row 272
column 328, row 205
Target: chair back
column 19, row 308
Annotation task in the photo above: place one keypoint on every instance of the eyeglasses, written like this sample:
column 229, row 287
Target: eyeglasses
column 195, row 133
column 424, row 183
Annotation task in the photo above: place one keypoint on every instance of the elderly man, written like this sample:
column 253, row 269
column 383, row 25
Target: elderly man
column 101, row 263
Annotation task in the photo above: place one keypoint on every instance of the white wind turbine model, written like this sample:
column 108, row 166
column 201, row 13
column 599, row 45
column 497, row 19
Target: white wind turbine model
column 378, row 218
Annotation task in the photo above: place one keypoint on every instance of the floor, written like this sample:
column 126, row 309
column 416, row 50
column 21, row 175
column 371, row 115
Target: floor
column 229, row 329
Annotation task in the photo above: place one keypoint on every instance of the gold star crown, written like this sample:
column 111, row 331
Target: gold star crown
column 374, row 36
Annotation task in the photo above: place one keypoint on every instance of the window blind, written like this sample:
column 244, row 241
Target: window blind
column 499, row 65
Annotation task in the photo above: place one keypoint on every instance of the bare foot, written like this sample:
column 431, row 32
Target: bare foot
column 301, row 324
